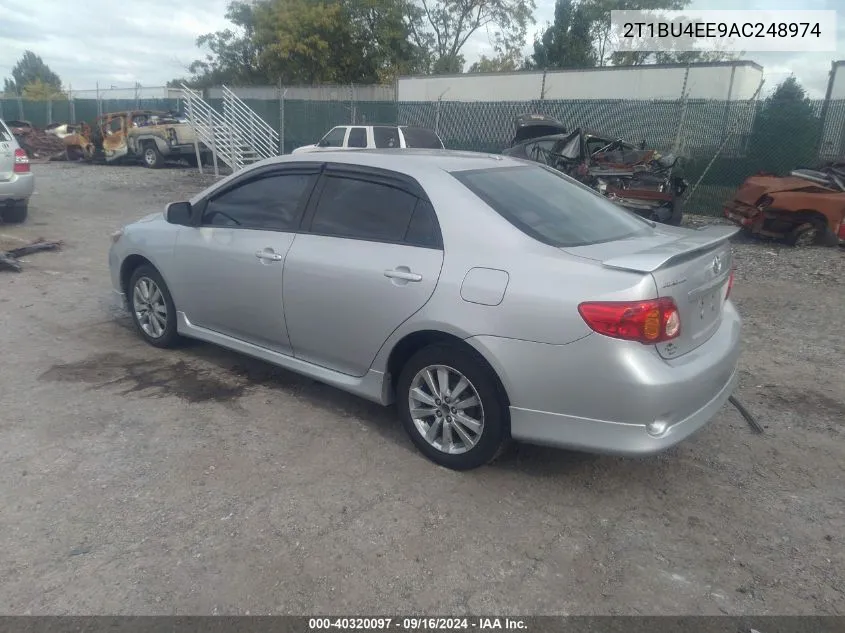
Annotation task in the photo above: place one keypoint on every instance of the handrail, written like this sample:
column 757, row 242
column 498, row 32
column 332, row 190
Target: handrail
column 238, row 136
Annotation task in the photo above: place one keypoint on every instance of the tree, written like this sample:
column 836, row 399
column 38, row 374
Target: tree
column 31, row 68
column 443, row 27
column 786, row 114
column 233, row 56
column 310, row 41
column 497, row 64
column 37, row 90
column 567, row 42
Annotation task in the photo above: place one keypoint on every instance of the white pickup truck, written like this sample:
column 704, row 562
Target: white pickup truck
column 374, row 136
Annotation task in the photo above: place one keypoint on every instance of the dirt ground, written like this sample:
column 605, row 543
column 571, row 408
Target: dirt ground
column 142, row 481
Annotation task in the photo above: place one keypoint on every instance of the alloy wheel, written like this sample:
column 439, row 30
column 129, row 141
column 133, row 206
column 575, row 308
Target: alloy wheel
column 150, row 307
column 446, row 409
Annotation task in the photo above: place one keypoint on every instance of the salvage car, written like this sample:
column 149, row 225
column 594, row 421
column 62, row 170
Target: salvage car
column 585, row 326
column 530, row 126
column 374, row 136
column 806, row 207
column 17, row 182
column 639, row 179
column 148, row 136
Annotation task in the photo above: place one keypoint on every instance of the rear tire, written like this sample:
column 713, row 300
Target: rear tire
column 16, row 213
column 466, row 428
column 151, row 307
column 805, row 234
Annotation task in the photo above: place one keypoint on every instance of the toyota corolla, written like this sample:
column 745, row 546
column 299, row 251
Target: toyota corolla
column 488, row 298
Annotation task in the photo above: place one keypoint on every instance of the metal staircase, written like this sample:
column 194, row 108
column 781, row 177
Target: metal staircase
column 238, row 137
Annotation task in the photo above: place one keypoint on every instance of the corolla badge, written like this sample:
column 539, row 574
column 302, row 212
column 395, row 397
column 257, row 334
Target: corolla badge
column 718, row 265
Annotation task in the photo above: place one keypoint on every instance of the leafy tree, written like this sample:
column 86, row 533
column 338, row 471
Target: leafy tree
column 786, row 114
column 498, row 64
column 233, row 56
column 37, row 90
column 443, row 27
column 566, row 42
column 30, row 68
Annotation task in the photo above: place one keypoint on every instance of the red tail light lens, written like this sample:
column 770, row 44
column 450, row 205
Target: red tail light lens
column 730, row 284
column 21, row 162
column 648, row 322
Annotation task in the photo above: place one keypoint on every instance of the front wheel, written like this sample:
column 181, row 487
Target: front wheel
column 450, row 405
column 152, row 157
column 151, row 306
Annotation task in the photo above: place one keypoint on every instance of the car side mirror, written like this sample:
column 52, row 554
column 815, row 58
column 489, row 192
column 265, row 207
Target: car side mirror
column 178, row 213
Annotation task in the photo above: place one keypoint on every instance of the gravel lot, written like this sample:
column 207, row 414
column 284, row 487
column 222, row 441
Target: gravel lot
column 140, row 481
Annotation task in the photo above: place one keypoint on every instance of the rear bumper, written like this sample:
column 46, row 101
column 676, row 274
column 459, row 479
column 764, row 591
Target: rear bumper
column 602, row 395
column 19, row 187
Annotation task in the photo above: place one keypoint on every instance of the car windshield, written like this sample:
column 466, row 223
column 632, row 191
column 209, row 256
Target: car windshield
column 551, row 207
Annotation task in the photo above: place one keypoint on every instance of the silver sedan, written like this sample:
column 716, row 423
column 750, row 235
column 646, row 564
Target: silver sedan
column 488, row 298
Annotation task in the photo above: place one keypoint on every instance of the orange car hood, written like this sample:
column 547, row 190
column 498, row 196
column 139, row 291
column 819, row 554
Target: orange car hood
column 756, row 186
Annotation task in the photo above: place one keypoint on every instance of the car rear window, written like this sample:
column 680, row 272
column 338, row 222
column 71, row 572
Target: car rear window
column 5, row 135
column 422, row 138
column 551, row 207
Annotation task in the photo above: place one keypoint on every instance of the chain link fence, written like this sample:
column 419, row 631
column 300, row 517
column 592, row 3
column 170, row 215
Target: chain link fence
column 739, row 137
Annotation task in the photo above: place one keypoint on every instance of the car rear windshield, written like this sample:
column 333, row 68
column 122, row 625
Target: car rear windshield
column 422, row 138
column 5, row 136
column 551, row 207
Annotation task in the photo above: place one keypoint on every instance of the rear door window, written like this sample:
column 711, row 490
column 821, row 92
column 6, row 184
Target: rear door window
column 362, row 209
column 550, row 207
column 357, row 137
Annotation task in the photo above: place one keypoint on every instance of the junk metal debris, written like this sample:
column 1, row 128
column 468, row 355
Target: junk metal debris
column 148, row 136
column 806, row 207
column 639, row 179
column 37, row 143
column 9, row 259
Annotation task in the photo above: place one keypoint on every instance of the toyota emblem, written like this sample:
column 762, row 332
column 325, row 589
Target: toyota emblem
column 717, row 265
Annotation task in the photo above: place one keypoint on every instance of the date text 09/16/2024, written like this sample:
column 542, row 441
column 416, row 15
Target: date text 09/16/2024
column 415, row 624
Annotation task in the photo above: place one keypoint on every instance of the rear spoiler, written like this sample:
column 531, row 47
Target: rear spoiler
column 649, row 260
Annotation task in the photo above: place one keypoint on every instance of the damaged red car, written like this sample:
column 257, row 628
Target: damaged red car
column 804, row 208
column 639, row 179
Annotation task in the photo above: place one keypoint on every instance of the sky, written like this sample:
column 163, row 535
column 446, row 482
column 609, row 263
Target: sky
column 154, row 42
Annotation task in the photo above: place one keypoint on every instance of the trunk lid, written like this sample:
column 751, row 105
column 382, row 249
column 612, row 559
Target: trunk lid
column 690, row 266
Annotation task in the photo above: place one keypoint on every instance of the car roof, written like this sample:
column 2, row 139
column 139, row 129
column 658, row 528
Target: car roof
column 405, row 161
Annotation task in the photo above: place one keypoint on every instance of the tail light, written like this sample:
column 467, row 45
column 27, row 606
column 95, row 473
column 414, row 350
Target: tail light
column 648, row 322
column 730, row 284
column 21, row 162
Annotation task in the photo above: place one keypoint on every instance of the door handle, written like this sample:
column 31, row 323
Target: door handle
column 268, row 255
column 405, row 275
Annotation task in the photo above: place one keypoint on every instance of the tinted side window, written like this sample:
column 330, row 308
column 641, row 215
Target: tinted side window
column 272, row 203
column 423, row 229
column 420, row 137
column 386, row 136
column 357, row 137
column 334, row 138
column 361, row 209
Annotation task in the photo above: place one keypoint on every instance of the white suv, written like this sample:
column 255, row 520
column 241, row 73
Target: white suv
column 17, row 181
column 374, row 136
